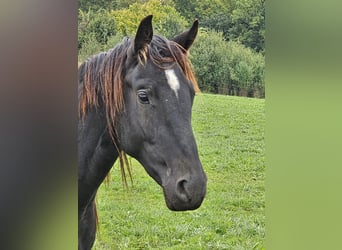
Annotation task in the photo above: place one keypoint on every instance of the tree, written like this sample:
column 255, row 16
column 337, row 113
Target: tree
column 219, row 22
column 248, row 23
column 238, row 20
column 166, row 20
column 186, row 8
column 86, row 5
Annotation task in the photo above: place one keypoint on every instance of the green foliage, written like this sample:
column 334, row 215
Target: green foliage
column 85, row 5
column 95, row 25
column 248, row 23
column 166, row 20
column 227, row 67
column 219, row 22
column 201, row 9
column 246, row 69
column 230, row 136
column 238, row 20
column 186, row 8
column 223, row 55
column 208, row 8
column 92, row 46
column 212, row 14
column 210, row 62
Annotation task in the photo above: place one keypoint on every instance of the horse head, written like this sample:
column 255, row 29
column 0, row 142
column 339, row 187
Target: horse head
column 155, row 124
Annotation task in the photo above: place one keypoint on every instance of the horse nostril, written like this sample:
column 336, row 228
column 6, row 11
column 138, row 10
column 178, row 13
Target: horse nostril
column 181, row 190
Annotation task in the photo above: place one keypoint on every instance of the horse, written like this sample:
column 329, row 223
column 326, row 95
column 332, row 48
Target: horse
column 137, row 99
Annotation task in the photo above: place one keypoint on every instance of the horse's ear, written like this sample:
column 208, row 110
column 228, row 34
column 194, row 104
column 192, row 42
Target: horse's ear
column 144, row 34
column 186, row 38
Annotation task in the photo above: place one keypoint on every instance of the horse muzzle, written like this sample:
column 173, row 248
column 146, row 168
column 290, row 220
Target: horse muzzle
column 186, row 192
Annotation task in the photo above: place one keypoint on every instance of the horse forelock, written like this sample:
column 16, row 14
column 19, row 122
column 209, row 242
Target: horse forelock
column 163, row 52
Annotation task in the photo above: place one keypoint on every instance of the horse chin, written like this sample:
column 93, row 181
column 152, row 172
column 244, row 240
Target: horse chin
column 175, row 204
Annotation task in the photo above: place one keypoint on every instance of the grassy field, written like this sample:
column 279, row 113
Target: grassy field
column 230, row 137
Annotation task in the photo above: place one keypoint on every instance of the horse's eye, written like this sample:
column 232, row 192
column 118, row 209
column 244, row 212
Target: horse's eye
column 143, row 97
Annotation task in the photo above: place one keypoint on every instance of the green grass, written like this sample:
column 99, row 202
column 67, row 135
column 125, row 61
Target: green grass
column 230, row 136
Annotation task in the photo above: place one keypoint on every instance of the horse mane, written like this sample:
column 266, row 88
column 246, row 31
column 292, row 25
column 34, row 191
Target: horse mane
column 101, row 79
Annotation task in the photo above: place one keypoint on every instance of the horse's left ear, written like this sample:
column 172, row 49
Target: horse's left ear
column 186, row 38
column 144, row 34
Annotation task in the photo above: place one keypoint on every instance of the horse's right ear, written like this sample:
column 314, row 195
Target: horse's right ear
column 144, row 34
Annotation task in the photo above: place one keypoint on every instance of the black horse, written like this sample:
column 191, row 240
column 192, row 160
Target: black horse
column 137, row 99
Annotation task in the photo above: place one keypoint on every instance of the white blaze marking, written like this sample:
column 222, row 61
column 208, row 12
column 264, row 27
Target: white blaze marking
column 172, row 80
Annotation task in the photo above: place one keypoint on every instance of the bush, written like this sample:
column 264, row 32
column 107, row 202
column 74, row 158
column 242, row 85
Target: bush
column 227, row 67
column 209, row 60
column 98, row 25
column 246, row 69
column 92, row 46
column 89, row 47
